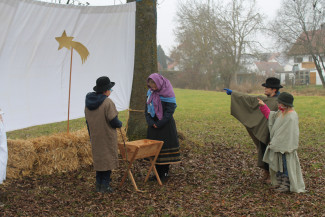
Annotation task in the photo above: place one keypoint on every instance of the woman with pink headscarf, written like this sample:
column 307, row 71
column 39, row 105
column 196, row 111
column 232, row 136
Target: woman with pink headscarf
column 161, row 104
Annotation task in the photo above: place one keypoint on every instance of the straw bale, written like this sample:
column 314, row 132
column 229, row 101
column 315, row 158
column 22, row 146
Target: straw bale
column 21, row 158
column 57, row 160
column 81, row 139
column 46, row 155
column 55, row 153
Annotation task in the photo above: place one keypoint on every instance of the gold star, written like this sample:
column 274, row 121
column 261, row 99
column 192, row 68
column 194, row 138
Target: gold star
column 64, row 41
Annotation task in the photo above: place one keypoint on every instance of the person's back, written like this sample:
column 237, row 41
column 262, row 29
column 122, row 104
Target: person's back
column 103, row 136
column 102, row 120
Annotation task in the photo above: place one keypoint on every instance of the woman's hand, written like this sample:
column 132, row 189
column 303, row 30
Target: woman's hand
column 155, row 126
column 260, row 102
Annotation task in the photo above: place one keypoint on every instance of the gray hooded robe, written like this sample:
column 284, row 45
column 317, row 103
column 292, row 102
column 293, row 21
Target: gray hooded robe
column 284, row 134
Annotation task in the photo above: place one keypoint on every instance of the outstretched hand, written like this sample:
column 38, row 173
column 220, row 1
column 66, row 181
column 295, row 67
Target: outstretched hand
column 260, row 102
column 228, row 91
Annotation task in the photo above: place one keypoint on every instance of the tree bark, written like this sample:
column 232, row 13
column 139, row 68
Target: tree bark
column 145, row 63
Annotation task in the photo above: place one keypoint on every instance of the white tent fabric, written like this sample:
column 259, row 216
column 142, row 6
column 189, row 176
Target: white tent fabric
column 34, row 74
column 3, row 149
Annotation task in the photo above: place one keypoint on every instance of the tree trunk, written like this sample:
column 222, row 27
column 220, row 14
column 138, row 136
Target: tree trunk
column 320, row 70
column 320, row 73
column 145, row 63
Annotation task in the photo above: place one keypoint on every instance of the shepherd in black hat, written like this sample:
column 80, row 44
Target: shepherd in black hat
column 102, row 121
column 273, row 83
column 245, row 108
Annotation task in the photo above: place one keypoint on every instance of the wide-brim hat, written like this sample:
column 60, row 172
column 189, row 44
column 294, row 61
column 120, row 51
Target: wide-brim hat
column 102, row 84
column 272, row 82
column 285, row 99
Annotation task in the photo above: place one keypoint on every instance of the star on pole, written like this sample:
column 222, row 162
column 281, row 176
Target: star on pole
column 64, row 41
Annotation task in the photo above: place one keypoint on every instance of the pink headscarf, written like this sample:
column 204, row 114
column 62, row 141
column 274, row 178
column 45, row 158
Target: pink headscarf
column 164, row 89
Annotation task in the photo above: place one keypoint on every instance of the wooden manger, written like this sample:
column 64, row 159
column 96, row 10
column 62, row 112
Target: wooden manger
column 140, row 149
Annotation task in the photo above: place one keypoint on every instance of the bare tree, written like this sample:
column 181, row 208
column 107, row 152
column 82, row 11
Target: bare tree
column 213, row 36
column 297, row 28
column 194, row 35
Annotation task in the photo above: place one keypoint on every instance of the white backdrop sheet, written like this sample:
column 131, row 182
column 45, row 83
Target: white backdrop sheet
column 34, row 74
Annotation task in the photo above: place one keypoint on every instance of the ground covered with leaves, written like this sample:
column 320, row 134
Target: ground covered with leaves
column 213, row 179
column 217, row 177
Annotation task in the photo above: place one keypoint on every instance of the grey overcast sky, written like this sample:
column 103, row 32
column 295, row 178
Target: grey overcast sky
column 166, row 11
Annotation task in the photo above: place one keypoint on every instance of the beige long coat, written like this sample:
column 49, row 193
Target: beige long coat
column 103, row 137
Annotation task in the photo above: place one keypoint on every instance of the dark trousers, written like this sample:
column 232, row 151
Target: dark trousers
column 103, row 177
column 162, row 170
column 263, row 148
column 285, row 168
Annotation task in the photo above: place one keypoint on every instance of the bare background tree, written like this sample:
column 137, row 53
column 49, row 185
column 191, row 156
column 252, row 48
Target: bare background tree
column 297, row 29
column 212, row 38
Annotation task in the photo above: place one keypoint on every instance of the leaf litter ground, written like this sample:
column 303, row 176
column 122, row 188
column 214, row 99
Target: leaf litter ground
column 212, row 180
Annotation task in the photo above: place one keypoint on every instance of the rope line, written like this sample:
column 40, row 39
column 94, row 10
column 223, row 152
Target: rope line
column 134, row 110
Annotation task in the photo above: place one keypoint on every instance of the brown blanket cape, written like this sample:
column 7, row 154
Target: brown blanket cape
column 246, row 110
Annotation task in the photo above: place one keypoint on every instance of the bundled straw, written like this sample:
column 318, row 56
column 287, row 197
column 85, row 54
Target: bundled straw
column 55, row 153
column 49, row 154
column 21, row 158
column 82, row 142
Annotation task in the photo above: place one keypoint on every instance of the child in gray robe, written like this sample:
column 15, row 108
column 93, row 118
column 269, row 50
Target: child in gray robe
column 281, row 153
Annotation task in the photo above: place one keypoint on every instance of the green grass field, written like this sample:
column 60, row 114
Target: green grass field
column 217, row 177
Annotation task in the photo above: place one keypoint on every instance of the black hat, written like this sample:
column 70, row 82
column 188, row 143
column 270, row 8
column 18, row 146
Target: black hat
column 272, row 82
column 285, row 99
column 102, row 84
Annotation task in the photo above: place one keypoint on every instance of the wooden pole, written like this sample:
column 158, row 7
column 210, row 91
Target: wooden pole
column 69, row 90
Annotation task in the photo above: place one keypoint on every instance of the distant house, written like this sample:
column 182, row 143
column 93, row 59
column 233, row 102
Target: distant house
column 266, row 65
column 303, row 64
column 172, row 65
column 269, row 69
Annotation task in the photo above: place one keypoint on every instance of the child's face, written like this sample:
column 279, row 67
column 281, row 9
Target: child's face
column 281, row 106
column 152, row 86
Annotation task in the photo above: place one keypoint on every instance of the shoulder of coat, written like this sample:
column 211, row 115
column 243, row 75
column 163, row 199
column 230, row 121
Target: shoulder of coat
column 108, row 101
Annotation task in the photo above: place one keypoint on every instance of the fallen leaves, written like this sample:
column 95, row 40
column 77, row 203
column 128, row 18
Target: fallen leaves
column 213, row 179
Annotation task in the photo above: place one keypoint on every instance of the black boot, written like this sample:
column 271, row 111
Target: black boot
column 98, row 181
column 163, row 172
column 106, row 189
column 105, row 186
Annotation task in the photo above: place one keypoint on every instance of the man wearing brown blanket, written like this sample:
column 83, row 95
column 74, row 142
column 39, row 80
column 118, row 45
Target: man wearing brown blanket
column 245, row 109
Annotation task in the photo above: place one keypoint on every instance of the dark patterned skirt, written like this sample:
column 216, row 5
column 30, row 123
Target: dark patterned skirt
column 169, row 153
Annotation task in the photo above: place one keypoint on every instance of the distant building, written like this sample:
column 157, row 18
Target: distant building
column 172, row 65
column 303, row 63
column 269, row 69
